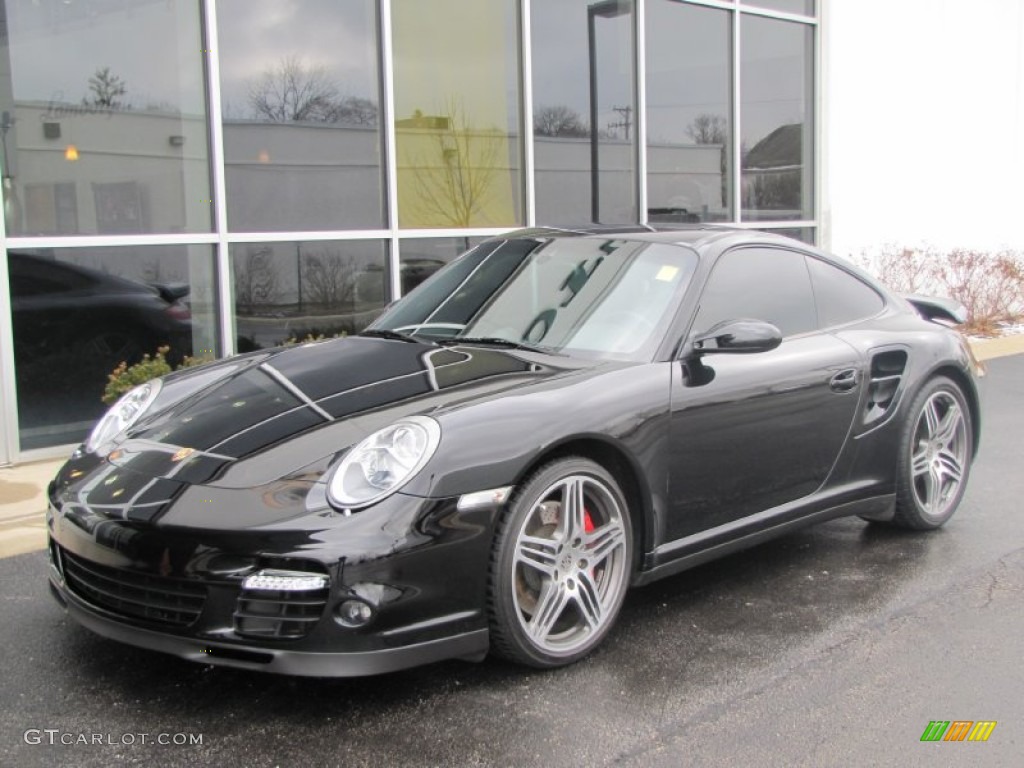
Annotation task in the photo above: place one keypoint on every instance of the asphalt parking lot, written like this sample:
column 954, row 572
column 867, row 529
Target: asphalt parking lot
column 833, row 646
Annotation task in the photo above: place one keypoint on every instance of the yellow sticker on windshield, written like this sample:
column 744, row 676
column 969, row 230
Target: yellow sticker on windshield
column 667, row 273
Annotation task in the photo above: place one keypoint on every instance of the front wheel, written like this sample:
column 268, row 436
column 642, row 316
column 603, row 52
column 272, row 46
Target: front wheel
column 935, row 456
column 561, row 565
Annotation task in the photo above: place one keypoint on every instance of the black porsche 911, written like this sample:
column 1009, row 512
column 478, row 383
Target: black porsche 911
column 550, row 419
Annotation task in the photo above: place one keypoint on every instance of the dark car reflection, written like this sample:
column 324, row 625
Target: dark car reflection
column 72, row 326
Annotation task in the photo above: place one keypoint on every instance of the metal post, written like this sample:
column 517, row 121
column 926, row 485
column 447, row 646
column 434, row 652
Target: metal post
column 595, row 185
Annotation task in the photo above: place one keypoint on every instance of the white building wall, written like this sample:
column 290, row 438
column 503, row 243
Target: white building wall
column 925, row 107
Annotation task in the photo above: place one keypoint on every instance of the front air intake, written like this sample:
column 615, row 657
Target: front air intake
column 133, row 595
column 280, row 604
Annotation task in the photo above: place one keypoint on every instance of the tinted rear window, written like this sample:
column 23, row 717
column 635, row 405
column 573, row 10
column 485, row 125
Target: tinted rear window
column 841, row 297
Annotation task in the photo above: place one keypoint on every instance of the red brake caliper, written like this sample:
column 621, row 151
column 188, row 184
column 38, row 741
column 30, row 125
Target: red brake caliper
column 588, row 521
column 588, row 527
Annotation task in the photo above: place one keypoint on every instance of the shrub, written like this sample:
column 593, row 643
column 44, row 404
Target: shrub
column 126, row 377
column 311, row 336
column 989, row 285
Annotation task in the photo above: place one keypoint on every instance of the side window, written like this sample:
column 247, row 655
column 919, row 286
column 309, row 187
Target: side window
column 31, row 276
column 762, row 284
column 841, row 297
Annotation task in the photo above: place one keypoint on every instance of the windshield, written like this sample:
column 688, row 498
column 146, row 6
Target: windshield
column 586, row 296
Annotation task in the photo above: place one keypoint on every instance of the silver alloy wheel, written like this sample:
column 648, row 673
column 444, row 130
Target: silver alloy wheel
column 938, row 454
column 569, row 562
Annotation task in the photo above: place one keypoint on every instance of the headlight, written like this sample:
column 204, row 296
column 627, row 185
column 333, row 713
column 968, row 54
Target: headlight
column 123, row 414
column 384, row 462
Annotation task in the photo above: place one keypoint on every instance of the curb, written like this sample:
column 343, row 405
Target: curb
column 23, row 506
column 989, row 349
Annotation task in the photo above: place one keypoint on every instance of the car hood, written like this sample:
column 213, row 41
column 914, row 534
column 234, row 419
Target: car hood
column 249, row 421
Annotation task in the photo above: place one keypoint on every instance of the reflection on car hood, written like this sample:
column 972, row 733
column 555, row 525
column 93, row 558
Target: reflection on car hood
column 271, row 414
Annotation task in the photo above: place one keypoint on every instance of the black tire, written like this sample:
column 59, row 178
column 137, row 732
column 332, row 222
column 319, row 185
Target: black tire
column 935, row 453
column 555, row 594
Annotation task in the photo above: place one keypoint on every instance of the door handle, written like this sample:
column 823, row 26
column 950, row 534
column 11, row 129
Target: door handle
column 844, row 381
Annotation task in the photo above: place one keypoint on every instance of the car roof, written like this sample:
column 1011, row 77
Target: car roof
column 697, row 236
column 707, row 240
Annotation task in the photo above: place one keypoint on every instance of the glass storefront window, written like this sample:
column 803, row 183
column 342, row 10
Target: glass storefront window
column 79, row 312
column 583, row 78
column 805, row 7
column 103, row 118
column 287, row 292
column 105, row 135
column 456, row 73
column 300, row 97
column 777, row 130
column 420, row 257
column 803, row 234
column 689, row 126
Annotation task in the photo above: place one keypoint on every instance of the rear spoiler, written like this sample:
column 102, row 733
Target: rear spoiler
column 938, row 310
column 171, row 292
column 946, row 311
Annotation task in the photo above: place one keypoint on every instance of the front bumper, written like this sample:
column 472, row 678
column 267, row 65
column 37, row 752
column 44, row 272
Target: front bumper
column 468, row 645
column 152, row 575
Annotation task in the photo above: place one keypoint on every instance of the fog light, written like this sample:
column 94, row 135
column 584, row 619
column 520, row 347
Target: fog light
column 285, row 581
column 354, row 613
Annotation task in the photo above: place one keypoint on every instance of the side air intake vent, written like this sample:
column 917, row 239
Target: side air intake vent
column 884, row 386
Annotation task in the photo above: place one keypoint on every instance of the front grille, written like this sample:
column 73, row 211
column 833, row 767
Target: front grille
column 278, row 613
column 170, row 602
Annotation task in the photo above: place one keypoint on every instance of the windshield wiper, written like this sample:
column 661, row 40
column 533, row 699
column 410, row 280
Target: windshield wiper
column 496, row 342
column 384, row 333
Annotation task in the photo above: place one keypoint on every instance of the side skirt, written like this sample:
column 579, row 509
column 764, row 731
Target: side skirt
column 700, row 548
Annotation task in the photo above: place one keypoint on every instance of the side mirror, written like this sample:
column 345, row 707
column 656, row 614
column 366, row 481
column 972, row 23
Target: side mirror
column 737, row 337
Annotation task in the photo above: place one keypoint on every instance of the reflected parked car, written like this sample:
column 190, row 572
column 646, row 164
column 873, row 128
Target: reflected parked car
column 550, row 419
column 73, row 325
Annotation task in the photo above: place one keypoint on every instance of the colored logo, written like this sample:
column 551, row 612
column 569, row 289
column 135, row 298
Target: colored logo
column 958, row 730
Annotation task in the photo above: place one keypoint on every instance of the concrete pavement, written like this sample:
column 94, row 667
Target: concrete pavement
column 22, row 506
column 23, row 488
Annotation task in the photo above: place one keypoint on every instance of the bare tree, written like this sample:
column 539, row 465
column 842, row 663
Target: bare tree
column 558, row 120
column 327, row 278
column 355, row 110
column 773, row 190
column 707, row 128
column 295, row 91
column 453, row 182
column 255, row 278
column 107, row 90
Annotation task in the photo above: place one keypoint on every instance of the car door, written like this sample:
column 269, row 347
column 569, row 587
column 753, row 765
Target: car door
column 750, row 432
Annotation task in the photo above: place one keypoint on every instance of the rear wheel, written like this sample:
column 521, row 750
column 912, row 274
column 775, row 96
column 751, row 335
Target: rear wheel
column 935, row 456
column 560, row 566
